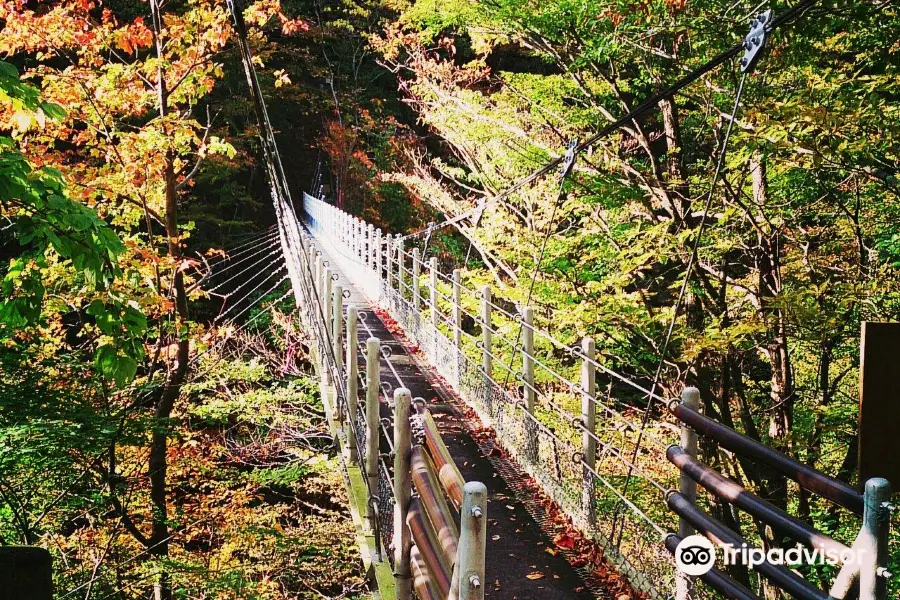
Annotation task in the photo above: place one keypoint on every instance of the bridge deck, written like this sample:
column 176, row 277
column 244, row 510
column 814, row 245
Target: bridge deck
column 522, row 562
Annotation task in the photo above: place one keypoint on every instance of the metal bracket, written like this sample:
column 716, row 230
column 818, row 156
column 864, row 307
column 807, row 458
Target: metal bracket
column 755, row 40
column 569, row 159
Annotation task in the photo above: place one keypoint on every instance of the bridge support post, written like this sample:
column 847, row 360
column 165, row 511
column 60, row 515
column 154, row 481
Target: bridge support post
column 487, row 366
column 378, row 258
column 589, row 423
column 472, row 540
column 389, row 265
column 317, row 273
column 337, row 334
column 327, row 282
column 402, row 493
column 352, row 380
column 400, row 260
column 372, row 250
column 528, row 393
column 457, row 323
column 416, row 293
column 432, row 282
column 373, row 422
column 871, row 544
column 690, row 397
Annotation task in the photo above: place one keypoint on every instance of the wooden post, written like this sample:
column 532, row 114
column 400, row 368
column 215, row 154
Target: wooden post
column 879, row 419
column 402, row 493
column 416, row 296
column 472, row 540
column 690, row 397
column 373, row 420
column 589, row 421
column 352, row 381
column 433, row 297
column 871, row 544
column 26, row 573
column 327, row 286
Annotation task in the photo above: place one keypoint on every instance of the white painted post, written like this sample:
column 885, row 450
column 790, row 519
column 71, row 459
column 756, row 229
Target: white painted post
column 531, row 442
column 457, row 310
column 389, row 263
column 318, row 284
column 326, row 314
column 486, row 362
column 528, row 358
column 589, row 422
column 487, row 366
column 402, row 493
column 378, row 260
column 433, row 297
column 373, row 421
column 690, row 397
column 401, row 258
column 871, row 544
column 416, row 297
column 352, row 381
column 371, row 247
column 337, row 329
column 472, row 540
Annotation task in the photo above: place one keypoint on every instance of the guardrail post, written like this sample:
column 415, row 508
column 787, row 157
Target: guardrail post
column 690, row 397
column 352, row 379
column 26, row 573
column 416, row 294
column 486, row 362
column 402, row 493
column 337, row 332
column 457, row 310
column 528, row 393
column 432, row 280
column 378, row 254
column 589, row 423
column 472, row 539
column 373, row 421
column 872, row 542
column 400, row 260
column 372, row 250
column 317, row 284
column 327, row 283
column 457, row 325
column 389, row 263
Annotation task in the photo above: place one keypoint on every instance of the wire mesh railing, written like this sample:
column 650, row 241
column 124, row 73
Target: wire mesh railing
column 486, row 366
column 605, row 465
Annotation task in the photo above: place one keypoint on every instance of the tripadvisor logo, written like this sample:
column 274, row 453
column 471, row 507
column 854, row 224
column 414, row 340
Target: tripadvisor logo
column 696, row 555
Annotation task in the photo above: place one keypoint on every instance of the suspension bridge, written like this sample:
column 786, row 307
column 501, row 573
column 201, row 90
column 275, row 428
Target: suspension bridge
column 456, row 415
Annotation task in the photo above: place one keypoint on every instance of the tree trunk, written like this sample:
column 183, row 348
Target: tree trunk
column 158, row 463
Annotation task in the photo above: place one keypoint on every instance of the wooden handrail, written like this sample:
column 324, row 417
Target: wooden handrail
column 425, row 539
column 448, row 474
column 436, row 508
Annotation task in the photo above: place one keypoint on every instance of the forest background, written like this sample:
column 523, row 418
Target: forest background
column 152, row 441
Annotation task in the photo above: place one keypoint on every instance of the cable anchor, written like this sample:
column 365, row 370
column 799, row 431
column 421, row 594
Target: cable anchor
column 755, row 40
